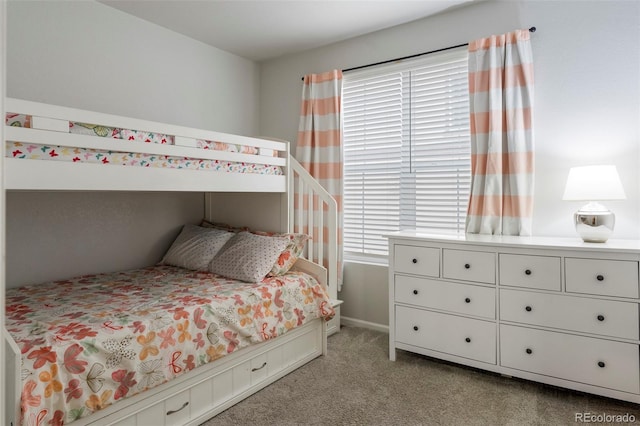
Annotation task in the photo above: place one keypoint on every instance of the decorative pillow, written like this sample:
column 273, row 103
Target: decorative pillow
column 290, row 254
column 248, row 257
column 195, row 246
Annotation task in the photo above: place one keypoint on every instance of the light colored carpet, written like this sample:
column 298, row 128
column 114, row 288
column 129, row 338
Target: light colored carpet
column 356, row 384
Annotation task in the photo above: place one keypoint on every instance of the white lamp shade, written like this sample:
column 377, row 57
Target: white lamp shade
column 593, row 183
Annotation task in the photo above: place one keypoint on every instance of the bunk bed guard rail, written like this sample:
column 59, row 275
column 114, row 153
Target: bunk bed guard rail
column 312, row 210
column 49, row 146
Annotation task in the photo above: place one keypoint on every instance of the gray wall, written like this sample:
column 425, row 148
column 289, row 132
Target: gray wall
column 587, row 104
column 58, row 235
column 86, row 55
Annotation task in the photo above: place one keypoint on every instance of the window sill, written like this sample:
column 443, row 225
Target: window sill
column 364, row 259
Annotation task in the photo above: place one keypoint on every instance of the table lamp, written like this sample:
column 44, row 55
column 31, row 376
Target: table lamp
column 594, row 222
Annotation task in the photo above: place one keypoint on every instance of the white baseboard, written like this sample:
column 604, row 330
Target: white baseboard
column 354, row 322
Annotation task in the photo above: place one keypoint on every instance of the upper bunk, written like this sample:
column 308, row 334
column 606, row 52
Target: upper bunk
column 54, row 148
column 51, row 147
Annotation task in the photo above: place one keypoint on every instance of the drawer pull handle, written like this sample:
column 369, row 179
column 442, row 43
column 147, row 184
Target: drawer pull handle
column 179, row 409
column 467, row 266
column 529, row 351
column 467, row 300
column 528, row 308
column 600, row 317
column 601, row 364
column 415, row 291
column 264, row 364
column 600, row 277
column 468, row 340
column 415, row 328
column 527, row 271
column 414, row 260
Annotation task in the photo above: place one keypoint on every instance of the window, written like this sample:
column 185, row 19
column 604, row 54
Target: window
column 406, row 150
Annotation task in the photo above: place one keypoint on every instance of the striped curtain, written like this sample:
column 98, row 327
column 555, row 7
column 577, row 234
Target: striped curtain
column 319, row 145
column 501, row 97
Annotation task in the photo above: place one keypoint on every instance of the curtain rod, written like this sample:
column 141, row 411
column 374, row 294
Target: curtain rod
column 531, row 30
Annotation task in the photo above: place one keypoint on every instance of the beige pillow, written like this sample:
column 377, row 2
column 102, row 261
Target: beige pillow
column 195, row 246
column 248, row 257
column 289, row 255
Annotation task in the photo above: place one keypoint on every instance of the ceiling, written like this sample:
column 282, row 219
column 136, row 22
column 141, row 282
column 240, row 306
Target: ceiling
column 265, row 29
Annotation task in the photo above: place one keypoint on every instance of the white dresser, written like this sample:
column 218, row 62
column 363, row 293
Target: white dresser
column 553, row 310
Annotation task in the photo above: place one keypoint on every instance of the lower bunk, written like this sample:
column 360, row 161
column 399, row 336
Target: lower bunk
column 158, row 346
column 203, row 393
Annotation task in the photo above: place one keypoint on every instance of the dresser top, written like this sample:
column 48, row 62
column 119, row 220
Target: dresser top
column 514, row 241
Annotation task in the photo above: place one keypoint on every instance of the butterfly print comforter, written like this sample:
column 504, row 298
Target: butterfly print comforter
column 91, row 341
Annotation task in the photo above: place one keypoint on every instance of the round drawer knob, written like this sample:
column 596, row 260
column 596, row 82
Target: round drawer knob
column 600, row 317
column 601, row 364
column 415, row 291
column 414, row 260
column 467, row 300
column 527, row 272
column 529, row 351
column 528, row 308
column 415, row 328
column 467, row 266
column 468, row 340
column 600, row 277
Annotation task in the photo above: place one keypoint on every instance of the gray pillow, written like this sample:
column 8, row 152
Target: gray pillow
column 195, row 247
column 248, row 257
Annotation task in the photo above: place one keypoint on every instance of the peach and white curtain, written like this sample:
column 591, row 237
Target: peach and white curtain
column 502, row 159
column 319, row 145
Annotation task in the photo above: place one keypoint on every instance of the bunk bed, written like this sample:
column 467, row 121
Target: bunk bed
column 52, row 148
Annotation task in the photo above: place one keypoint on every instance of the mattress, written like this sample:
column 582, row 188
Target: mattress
column 91, row 341
column 30, row 151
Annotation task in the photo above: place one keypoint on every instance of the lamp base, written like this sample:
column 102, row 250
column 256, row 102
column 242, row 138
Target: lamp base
column 594, row 226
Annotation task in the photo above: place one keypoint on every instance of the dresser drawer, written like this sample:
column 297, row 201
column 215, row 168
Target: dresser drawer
column 605, row 317
column 605, row 277
column 447, row 296
column 468, row 265
column 417, row 260
column 451, row 334
column 604, row 363
column 542, row 272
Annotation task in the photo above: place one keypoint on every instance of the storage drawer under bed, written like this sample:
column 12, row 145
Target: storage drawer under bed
column 183, row 404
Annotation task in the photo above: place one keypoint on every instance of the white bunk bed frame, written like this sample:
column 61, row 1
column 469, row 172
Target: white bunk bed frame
column 204, row 392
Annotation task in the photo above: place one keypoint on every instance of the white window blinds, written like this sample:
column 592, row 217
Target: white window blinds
column 406, row 150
